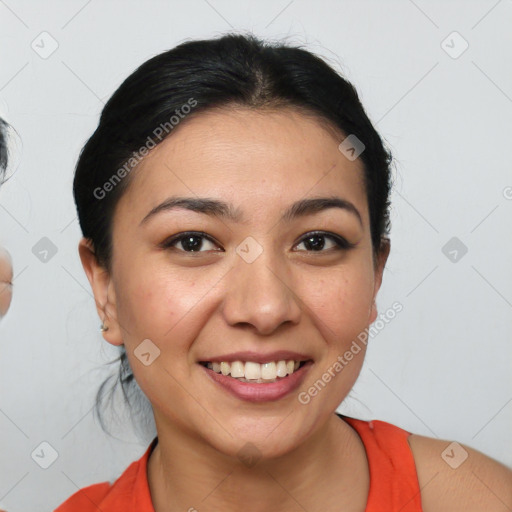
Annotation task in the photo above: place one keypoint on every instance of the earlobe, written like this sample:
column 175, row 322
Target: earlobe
column 103, row 291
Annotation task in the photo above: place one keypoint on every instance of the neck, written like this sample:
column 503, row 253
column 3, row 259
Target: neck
column 187, row 473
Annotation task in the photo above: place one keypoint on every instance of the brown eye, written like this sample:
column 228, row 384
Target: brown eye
column 191, row 241
column 315, row 242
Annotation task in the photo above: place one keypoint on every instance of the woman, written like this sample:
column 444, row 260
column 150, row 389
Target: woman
column 5, row 257
column 234, row 205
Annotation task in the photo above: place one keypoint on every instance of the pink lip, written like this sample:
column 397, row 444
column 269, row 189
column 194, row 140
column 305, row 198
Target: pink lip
column 260, row 392
column 249, row 355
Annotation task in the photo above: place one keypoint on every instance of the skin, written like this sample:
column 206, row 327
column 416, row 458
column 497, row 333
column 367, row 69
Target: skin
column 192, row 305
column 6, row 274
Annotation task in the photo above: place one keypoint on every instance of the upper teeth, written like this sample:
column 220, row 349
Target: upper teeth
column 252, row 370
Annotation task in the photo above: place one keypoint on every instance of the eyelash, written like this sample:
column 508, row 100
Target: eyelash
column 341, row 243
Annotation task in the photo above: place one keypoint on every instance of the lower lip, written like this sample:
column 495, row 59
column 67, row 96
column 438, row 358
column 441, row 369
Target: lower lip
column 260, row 392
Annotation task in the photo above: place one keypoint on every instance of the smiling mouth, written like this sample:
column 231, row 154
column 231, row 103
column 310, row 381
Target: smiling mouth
column 255, row 373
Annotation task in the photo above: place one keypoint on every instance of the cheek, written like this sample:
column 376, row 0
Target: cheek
column 171, row 309
column 162, row 306
column 340, row 302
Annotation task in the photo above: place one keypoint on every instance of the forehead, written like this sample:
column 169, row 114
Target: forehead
column 259, row 157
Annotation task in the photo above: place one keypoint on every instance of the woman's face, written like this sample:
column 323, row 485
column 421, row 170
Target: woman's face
column 261, row 283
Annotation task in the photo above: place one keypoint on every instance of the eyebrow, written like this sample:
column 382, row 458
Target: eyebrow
column 216, row 208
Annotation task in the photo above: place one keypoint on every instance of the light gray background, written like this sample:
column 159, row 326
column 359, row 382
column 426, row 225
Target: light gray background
column 441, row 368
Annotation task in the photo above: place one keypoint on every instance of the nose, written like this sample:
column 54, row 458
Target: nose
column 260, row 294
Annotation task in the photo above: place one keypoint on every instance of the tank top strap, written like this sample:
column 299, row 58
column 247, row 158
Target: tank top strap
column 393, row 478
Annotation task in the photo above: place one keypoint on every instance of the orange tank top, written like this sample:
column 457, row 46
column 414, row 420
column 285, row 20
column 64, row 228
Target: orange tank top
column 393, row 480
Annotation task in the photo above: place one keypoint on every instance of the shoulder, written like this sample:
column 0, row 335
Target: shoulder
column 129, row 492
column 454, row 477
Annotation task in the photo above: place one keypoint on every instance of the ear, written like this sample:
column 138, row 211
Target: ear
column 379, row 271
column 103, row 289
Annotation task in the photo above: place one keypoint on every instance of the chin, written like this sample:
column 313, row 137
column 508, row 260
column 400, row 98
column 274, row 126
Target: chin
column 262, row 438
